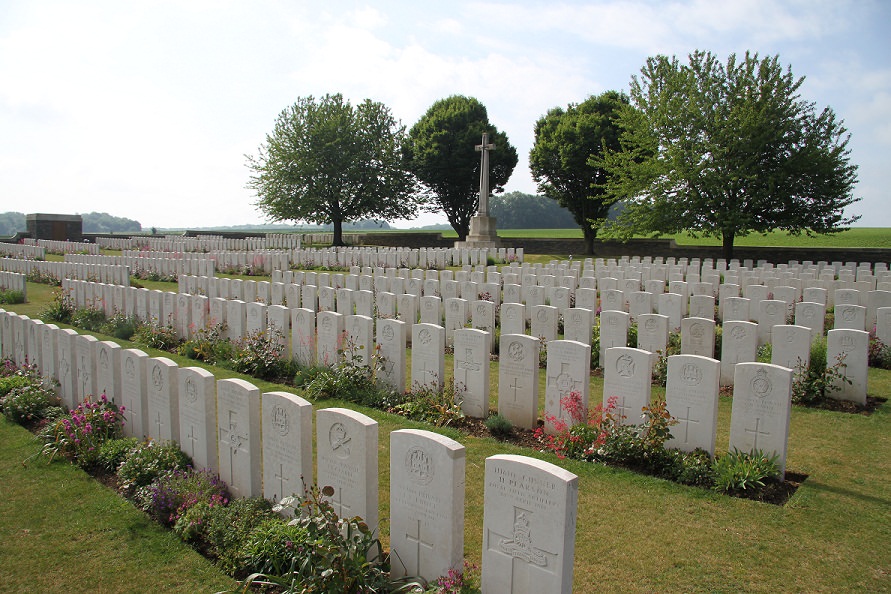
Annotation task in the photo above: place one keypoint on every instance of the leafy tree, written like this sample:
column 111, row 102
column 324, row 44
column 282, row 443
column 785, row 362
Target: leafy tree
column 102, row 222
column 11, row 223
column 329, row 162
column 443, row 157
column 727, row 150
column 516, row 210
column 563, row 160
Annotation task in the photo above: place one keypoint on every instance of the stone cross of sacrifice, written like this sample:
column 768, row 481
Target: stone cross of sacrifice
column 484, row 148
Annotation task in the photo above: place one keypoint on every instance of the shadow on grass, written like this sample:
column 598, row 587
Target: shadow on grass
column 849, row 493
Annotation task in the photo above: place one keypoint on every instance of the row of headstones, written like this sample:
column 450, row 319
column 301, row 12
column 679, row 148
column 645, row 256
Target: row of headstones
column 63, row 247
column 142, row 263
column 14, row 281
column 118, row 275
column 320, row 341
column 261, row 445
column 23, row 251
column 200, row 244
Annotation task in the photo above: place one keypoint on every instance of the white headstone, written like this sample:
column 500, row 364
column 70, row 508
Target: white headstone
column 198, row 416
column 851, row 347
column 427, row 356
column 238, row 426
column 529, row 523
column 471, row 372
column 691, row 396
column 163, row 399
column 518, row 379
column 762, row 404
column 426, row 504
column 739, row 344
column 287, row 445
column 347, row 452
column 627, row 377
column 568, row 371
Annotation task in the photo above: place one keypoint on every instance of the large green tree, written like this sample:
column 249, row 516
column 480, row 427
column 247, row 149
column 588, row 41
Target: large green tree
column 727, row 149
column 563, row 160
column 516, row 210
column 443, row 157
column 327, row 161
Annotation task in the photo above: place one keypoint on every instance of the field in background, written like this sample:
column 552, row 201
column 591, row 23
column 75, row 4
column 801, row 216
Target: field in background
column 866, row 237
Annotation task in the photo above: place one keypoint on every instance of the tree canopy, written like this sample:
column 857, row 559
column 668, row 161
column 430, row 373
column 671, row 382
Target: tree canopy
column 444, row 158
column 725, row 150
column 563, row 158
column 329, row 162
column 516, row 210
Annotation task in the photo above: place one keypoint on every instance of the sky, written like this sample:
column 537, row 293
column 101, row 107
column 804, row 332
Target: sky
column 147, row 110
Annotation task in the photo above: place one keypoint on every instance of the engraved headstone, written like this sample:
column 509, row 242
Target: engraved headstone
column 851, row 347
column 287, row 445
column 568, row 367
column 691, row 396
column 347, row 453
column 739, row 344
column 762, row 403
column 427, row 356
column 198, row 416
column 391, row 337
column 518, row 379
column 133, row 393
column 162, row 394
column 238, row 431
column 471, row 372
column 529, row 523
column 426, row 504
column 627, row 375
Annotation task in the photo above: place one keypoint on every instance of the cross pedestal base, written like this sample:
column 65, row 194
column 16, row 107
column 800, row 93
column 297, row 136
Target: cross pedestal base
column 482, row 234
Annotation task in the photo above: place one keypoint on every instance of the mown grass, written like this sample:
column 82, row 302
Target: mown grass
column 634, row 533
column 867, row 237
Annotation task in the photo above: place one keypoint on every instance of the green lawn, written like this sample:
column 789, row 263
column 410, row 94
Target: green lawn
column 868, row 237
column 634, row 533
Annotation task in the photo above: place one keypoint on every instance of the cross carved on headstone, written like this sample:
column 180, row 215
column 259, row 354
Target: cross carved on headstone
column 756, row 432
column 484, row 147
column 418, row 541
column 686, row 421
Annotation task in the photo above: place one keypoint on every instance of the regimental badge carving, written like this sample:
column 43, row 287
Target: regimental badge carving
column 542, row 315
column 847, row 342
column 130, row 369
column 625, row 366
column 520, row 543
column 738, row 333
column 697, row 331
column 191, row 391
column 339, row 440
column 157, row 379
column 424, row 336
column 280, row 420
column 771, row 309
column 650, row 325
column 691, row 374
column 516, row 351
column 419, row 465
column 761, row 385
column 388, row 333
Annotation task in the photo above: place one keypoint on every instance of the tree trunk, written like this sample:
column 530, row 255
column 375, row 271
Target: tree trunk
column 338, row 233
column 590, row 235
column 727, row 246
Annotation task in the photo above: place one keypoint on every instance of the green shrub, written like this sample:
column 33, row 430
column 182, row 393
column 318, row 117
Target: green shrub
column 156, row 337
column 60, row 309
column 439, row 407
column 499, row 426
column 737, row 472
column 113, row 452
column 339, row 555
column 812, row 386
column 89, row 318
column 275, row 547
column 879, row 353
column 148, row 462
column 30, row 404
column 10, row 297
column 121, row 326
column 260, row 355
column 226, row 529
column 209, row 345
